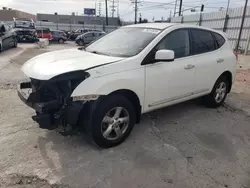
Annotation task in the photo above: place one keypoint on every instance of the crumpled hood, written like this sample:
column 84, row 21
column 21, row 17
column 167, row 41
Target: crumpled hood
column 48, row 65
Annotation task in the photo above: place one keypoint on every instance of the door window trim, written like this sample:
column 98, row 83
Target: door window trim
column 148, row 57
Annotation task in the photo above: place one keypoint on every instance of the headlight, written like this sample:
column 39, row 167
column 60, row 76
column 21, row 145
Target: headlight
column 67, row 82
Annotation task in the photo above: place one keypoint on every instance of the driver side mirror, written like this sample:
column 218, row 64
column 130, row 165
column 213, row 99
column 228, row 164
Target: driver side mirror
column 164, row 55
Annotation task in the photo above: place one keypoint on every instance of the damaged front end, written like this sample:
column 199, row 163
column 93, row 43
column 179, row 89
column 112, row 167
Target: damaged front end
column 51, row 99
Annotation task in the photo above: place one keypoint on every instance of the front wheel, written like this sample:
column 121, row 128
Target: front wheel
column 112, row 121
column 218, row 94
column 15, row 43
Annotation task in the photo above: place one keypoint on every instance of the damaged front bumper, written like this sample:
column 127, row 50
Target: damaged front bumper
column 51, row 110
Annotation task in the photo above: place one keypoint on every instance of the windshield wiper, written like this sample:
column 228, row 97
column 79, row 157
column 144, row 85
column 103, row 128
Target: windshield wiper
column 100, row 53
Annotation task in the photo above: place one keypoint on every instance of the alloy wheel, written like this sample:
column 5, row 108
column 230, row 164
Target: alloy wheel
column 220, row 92
column 115, row 123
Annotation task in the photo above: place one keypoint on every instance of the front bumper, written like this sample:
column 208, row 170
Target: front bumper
column 52, row 113
column 39, row 107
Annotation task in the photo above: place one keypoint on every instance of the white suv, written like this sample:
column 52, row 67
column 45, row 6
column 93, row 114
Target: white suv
column 105, row 87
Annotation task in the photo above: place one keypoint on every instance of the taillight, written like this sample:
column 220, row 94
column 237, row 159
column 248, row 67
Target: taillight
column 236, row 55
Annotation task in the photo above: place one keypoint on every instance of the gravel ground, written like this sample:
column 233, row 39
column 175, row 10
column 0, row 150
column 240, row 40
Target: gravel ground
column 186, row 145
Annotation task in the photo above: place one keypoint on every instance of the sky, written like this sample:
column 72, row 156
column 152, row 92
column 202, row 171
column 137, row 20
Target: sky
column 149, row 9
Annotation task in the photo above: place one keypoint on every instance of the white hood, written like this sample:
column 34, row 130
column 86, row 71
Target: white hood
column 48, row 65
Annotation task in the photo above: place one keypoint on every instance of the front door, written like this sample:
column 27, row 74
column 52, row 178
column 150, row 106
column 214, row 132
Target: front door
column 170, row 82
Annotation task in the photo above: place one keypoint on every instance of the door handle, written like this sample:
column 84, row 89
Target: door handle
column 220, row 60
column 189, row 66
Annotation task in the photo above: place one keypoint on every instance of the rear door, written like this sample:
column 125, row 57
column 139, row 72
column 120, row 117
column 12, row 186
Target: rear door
column 206, row 57
column 88, row 37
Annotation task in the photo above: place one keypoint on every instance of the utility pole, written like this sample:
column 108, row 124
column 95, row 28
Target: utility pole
column 100, row 8
column 135, row 11
column 106, row 4
column 118, row 6
column 226, row 17
column 180, row 7
column 175, row 7
column 241, row 26
column 113, row 8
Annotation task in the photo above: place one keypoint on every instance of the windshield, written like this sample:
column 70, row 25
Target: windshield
column 124, row 42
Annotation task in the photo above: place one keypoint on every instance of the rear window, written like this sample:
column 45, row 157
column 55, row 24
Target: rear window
column 219, row 39
column 202, row 41
column 45, row 30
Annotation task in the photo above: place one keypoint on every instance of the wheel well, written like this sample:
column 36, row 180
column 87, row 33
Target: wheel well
column 228, row 76
column 131, row 96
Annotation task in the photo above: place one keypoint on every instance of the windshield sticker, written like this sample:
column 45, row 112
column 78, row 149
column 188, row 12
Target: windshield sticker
column 155, row 31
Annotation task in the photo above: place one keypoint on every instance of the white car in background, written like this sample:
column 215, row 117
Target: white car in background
column 135, row 69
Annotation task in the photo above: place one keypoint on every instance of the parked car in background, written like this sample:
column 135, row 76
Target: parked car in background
column 25, row 29
column 24, row 23
column 44, row 32
column 78, row 32
column 105, row 87
column 8, row 37
column 58, row 36
column 88, row 37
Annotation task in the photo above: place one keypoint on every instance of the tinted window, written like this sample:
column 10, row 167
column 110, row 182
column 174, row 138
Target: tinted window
column 88, row 35
column 44, row 30
column 178, row 41
column 202, row 41
column 219, row 39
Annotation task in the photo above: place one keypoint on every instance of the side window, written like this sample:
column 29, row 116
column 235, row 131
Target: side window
column 178, row 41
column 38, row 31
column 219, row 39
column 202, row 41
column 88, row 35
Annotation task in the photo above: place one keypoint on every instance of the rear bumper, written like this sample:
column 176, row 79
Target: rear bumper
column 41, row 107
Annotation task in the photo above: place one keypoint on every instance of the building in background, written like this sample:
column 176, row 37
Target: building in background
column 7, row 14
column 75, row 19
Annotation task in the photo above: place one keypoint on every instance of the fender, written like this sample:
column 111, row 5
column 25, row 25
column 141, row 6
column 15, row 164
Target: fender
column 103, row 85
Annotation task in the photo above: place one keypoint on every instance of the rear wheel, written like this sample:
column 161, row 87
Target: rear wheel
column 218, row 94
column 61, row 41
column 112, row 121
column 81, row 43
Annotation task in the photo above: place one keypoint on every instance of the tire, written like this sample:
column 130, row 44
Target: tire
column 81, row 43
column 15, row 43
column 60, row 41
column 212, row 100
column 1, row 48
column 99, row 127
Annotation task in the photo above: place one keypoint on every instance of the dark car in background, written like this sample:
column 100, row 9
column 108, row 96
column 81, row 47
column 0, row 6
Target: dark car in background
column 78, row 32
column 8, row 37
column 58, row 36
column 88, row 37
column 25, row 30
column 44, row 33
